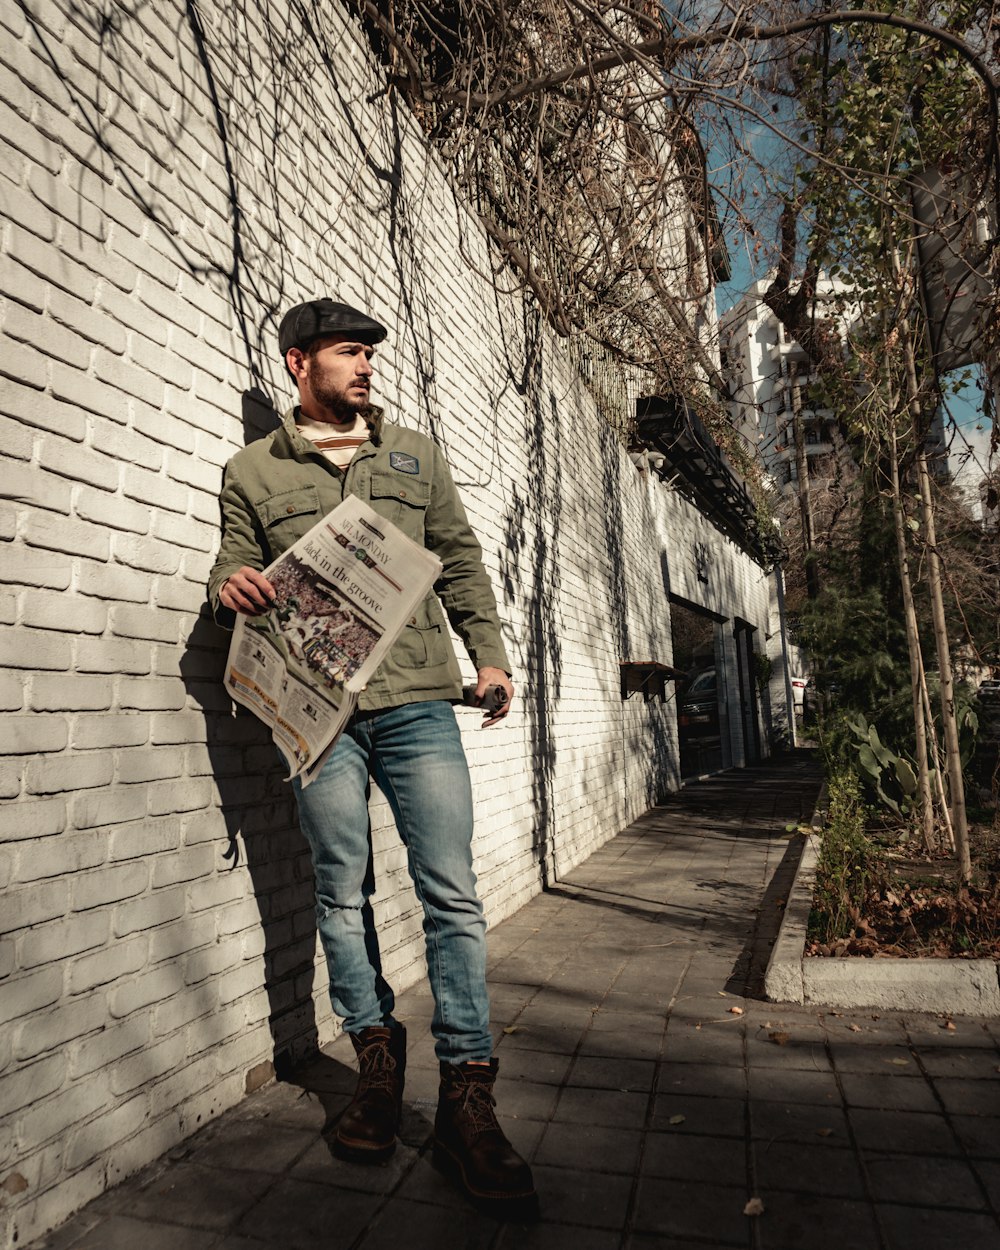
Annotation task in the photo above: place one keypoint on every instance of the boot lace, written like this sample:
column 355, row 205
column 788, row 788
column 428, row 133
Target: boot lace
column 376, row 1066
column 478, row 1103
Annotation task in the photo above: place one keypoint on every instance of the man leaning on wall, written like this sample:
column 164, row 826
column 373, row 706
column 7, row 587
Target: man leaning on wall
column 334, row 443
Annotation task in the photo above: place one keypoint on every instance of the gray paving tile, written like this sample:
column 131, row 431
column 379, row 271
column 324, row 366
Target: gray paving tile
column 610, row 1108
column 572, row 1196
column 798, row 1221
column 590, row 1148
column 320, row 1166
column 683, row 1208
column 120, row 1232
column 976, row 1062
column 712, row 1079
column 808, row 1168
column 203, row 1197
column 689, row 1156
column 882, row 1060
column 620, row 1045
column 793, row 1085
column 923, row 1182
column 241, row 1144
column 724, row 1117
column 299, row 1216
column 626, row 1075
column 980, row 1134
column 968, row 1097
column 889, row 1093
column 907, row 1227
column 417, row 1225
column 910, row 1132
column 786, row 1048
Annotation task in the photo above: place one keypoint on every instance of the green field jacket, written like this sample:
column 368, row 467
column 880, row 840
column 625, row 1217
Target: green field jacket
column 276, row 489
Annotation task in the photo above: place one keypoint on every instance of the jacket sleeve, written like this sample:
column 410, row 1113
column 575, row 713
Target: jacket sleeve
column 464, row 585
column 242, row 543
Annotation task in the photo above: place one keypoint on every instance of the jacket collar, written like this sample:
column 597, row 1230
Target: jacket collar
column 376, row 419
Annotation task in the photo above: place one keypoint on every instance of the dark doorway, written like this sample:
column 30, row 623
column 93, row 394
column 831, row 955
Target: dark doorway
column 701, row 693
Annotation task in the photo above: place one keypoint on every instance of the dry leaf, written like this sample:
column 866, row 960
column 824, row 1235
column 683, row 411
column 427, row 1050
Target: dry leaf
column 855, row 1028
column 736, row 1011
column 754, row 1207
column 950, row 1026
column 512, row 1028
column 900, row 1063
column 780, row 1039
column 824, row 1132
column 676, row 1119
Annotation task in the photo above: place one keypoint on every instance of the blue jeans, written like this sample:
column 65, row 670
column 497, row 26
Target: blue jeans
column 415, row 754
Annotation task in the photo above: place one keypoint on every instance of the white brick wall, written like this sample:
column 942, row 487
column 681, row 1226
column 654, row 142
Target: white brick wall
column 147, row 258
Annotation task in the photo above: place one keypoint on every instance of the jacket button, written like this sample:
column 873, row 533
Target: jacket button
column 402, row 494
column 290, row 509
column 413, row 620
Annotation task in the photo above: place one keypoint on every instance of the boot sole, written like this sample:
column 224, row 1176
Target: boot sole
column 359, row 1153
column 521, row 1208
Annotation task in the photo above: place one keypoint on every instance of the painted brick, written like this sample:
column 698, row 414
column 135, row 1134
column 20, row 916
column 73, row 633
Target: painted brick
column 39, row 331
column 213, row 961
column 79, row 464
column 142, row 622
column 69, row 772
column 138, row 839
column 109, row 884
column 29, row 648
column 30, row 1083
column 66, row 203
column 146, row 553
column 151, row 694
column 86, row 321
column 156, row 490
column 12, row 692
column 133, row 448
column 125, row 377
column 110, row 510
column 224, row 1025
column 165, row 364
column 184, row 531
column 120, row 729
column 47, row 1120
column 17, row 441
column 109, row 807
column 63, row 938
column 94, row 1139
column 43, row 610
column 112, row 655
column 30, row 820
column 21, row 363
column 34, row 488
column 121, row 959
column 56, row 533
column 54, row 857
column 71, row 692
column 25, row 735
column 28, row 567
column 151, row 987
column 24, row 995
column 189, row 865
column 156, row 1061
column 166, row 797
column 148, row 912
column 173, row 941
column 179, row 595
column 117, row 1038
column 112, row 581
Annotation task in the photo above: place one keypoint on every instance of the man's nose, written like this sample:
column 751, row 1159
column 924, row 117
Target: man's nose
column 364, row 367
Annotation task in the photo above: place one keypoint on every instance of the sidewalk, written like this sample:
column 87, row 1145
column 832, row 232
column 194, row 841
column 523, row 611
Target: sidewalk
column 652, row 1092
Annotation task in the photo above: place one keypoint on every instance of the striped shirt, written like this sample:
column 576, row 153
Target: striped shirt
column 338, row 442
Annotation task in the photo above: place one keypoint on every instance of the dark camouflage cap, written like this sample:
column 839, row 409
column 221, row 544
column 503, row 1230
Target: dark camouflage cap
column 305, row 322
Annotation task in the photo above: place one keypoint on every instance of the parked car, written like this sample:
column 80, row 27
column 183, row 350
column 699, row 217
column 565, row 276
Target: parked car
column 799, row 692
column 698, row 706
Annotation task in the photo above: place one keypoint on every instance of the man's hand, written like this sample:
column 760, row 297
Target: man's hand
column 489, row 677
column 247, row 591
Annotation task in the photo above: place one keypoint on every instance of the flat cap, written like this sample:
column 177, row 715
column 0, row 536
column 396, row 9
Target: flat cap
column 305, row 322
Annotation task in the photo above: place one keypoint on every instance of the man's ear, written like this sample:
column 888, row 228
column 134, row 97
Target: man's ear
column 295, row 362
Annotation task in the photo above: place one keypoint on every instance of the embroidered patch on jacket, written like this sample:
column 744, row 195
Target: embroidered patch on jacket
column 404, row 463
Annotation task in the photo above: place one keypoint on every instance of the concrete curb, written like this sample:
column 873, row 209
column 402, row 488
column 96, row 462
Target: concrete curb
column 953, row 986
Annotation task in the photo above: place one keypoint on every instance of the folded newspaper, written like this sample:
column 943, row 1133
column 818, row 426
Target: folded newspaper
column 342, row 596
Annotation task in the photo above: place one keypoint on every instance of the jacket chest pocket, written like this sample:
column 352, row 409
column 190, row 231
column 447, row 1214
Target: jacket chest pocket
column 401, row 499
column 288, row 515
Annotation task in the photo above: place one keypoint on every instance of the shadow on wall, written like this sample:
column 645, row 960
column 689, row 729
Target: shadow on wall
column 529, row 570
column 258, row 807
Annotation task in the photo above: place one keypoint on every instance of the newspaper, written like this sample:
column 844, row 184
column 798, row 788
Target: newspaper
column 343, row 594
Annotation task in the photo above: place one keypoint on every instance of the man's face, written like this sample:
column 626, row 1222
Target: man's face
column 334, row 377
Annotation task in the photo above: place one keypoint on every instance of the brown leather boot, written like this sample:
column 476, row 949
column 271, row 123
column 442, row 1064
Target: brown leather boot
column 470, row 1145
column 367, row 1129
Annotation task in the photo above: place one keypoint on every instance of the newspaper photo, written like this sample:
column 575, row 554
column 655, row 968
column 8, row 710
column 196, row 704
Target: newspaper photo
column 342, row 596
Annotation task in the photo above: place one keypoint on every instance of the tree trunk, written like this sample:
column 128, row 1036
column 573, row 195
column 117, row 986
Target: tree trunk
column 926, row 799
column 802, row 473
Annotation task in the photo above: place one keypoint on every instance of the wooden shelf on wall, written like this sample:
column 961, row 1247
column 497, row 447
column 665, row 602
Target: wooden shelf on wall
column 648, row 678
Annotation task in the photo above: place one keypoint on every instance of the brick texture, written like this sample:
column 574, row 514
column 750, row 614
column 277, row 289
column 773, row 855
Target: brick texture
column 147, row 829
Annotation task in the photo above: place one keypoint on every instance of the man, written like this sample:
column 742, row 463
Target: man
column 404, row 734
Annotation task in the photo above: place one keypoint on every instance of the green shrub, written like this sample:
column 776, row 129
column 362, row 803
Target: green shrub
column 850, row 865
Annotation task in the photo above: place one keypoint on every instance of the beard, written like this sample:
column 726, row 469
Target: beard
column 343, row 404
